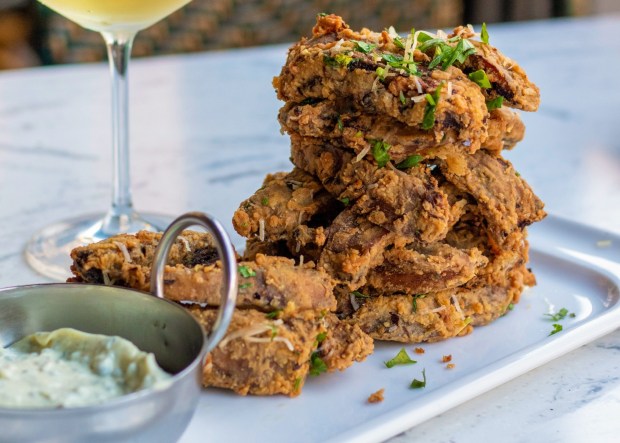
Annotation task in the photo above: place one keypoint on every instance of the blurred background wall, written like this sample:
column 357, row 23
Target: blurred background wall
column 31, row 35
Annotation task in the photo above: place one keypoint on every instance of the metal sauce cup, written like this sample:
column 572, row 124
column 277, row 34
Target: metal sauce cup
column 153, row 324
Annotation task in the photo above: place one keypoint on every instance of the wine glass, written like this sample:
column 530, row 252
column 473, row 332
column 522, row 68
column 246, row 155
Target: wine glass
column 118, row 21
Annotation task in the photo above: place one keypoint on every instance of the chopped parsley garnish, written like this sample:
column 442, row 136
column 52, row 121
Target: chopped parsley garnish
column 359, row 294
column 297, row 384
column 345, row 201
column 380, row 152
column 496, row 103
column 402, row 98
column 264, row 201
column 484, row 34
column 517, row 174
column 511, row 306
column 338, row 60
column 398, row 62
column 322, row 14
column 556, row 328
column 417, row 384
column 414, row 304
column 359, row 134
column 558, row 315
column 246, row 271
column 480, row 78
column 410, row 162
column 245, row 285
column 572, row 315
column 431, row 104
column 321, row 337
column 398, row 41
column 445, row 54
column 273, row 314
column 402, row 358
column 340, row 124
column 364, row 46
column 381, row 73
column 317, row 365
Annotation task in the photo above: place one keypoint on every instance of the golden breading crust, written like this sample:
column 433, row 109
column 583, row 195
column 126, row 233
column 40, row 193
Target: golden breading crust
column 356, row 130
column 282, row 325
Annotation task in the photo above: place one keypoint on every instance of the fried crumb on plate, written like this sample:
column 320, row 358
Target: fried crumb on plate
column 376, row 397
column 419, row 350
column 446, row 358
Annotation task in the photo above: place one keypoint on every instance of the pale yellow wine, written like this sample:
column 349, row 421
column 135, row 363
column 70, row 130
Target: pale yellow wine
column 115, row 15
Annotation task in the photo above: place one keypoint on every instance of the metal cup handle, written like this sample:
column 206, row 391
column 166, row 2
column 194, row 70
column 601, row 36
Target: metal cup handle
column 226, row 255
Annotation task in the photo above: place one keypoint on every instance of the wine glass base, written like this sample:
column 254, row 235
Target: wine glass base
column 48, row 250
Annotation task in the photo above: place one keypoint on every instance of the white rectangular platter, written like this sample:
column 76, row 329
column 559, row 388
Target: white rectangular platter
column 577, row 268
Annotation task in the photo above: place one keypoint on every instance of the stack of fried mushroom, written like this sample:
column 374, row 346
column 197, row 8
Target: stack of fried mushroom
column 400, row 220
column 399, row 190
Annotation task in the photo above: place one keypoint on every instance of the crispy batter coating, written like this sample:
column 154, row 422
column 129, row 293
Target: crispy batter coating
column 281, row 309
column 356, row 130
column 330, row 66
column 404, row 203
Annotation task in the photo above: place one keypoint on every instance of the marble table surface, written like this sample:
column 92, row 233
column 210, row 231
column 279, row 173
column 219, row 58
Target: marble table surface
column 204, row 133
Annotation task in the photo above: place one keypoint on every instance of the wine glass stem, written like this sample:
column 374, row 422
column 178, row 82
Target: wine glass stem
column 120, row 214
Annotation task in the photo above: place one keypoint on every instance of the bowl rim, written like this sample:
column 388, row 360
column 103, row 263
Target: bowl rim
column 124, row 399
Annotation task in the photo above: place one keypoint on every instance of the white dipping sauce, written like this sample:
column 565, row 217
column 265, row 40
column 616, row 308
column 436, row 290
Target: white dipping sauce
column 69, row 368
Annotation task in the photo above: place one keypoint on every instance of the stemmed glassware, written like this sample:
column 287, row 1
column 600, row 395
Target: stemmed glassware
column 118, row 21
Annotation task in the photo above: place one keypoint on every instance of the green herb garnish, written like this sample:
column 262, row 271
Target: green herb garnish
column 264, row 201
column 380, row 152
column 431, row 104
column 317, row 365
column 321, row 337
column 273, row 314
column 480, row 78
column 556, row 328
column 364, row 46
column 398, row 62
column 338, row 60
column 558, row 315
column 417, row 384
column 297, row 384
column 245, row 285
column 402, row 358
column 345, row 201
column 358, row 294
column 322, row 14
column 340, row 124
column 484, row 35
column 402, row 98
column 445, row 54
column 246, row 271
column 414, row 304
column 410, row 162
column 381, row 73
column 496, row 103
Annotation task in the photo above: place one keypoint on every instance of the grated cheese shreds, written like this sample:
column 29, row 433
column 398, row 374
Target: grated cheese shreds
column 457, row 306
column 418, row 85
column 301, row 260
column 261, row 229
column 185, row 243
column 284, row 340
column 373, row 185
column 449, row 89
column 418, row 98
column 354, row 304
column 249, row 334
column 362, row 154
column 106, row 278
column 124, row 250
column 439, row 309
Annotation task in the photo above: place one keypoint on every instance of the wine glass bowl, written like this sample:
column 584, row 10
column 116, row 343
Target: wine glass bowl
column 118, row 21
